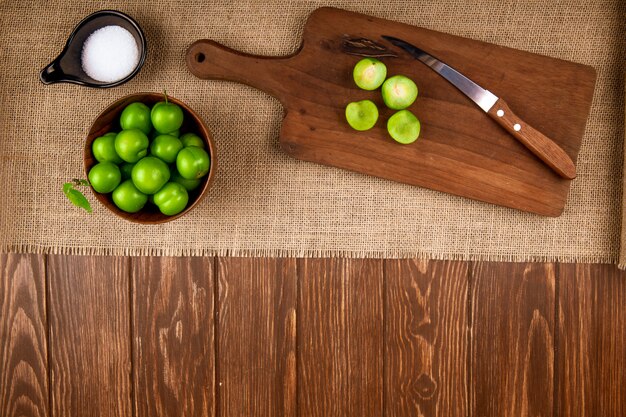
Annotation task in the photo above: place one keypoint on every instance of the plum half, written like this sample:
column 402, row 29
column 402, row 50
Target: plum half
column 399, row 92
column 362, row 115
column 369, row 73
column 404, row 127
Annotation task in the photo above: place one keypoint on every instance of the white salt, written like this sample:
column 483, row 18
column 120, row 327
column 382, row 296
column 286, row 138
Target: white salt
column 110, row 54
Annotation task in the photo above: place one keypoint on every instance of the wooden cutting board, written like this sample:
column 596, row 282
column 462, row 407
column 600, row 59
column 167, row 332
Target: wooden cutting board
column 461, row 150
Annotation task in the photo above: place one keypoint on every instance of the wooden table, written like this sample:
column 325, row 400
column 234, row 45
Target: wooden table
column 119, row 336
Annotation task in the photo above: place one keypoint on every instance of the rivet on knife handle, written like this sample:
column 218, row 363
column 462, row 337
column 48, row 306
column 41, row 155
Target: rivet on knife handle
column 539, row 144
column 542, row 146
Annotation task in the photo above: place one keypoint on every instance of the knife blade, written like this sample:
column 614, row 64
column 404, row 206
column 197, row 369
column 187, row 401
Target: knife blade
column 539, row 144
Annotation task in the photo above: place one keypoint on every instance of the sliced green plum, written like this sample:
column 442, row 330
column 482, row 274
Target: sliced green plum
column 362, row 115
column 369, row 73
column 399, row 92
column 404, row 127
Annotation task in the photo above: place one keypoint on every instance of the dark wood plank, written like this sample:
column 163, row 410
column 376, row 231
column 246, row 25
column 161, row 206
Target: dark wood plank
column 426, row 338
column 592, row 341
column 340, row 337
column 89, row 321
column 257, row 337
column 23, row 339
column 460, row 150
column 512, row 347
column 173, row 344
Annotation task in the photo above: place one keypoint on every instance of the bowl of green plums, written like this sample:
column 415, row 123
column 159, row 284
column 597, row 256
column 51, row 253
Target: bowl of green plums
column 149, row 158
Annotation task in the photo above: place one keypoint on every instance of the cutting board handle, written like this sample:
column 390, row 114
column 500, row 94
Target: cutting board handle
column 208, row 59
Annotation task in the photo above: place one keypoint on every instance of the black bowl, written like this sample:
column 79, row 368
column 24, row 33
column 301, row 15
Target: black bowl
column 67, row 67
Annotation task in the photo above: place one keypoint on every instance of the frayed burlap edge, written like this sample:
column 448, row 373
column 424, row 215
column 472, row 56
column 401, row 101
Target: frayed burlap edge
column 622, row 251
column 305, row 253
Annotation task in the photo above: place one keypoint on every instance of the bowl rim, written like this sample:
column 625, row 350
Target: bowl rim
column 206, row 136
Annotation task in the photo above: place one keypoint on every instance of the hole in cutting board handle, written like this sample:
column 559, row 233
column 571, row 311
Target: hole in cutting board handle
column 200, row 57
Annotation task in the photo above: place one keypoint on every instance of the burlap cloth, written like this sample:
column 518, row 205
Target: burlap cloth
column 263, row 202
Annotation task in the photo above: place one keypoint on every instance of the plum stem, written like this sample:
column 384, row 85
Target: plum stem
column 165, row 94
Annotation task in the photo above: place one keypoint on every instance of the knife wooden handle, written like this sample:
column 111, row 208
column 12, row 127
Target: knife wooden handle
column 538, row 143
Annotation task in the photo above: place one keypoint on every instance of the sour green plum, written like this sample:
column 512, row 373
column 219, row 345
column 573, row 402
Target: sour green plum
column 166, row 117
column 166, row 147
column 369, row 73
column 128, row 198
column 104, row 177
column 150, row 174
column 404, row 127
column 362, row 115
column 136, row 116
column 131, row 145
column 399, row 92
column 154, row 134
column 193, row 162
column 191, row 139
column 171, row 199
column 103, row 149
column 189, row 184
column 126, row 169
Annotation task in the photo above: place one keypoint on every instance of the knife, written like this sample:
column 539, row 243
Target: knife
column 539, row 144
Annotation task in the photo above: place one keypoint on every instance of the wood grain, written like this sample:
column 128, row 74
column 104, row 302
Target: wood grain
column 538, row 143
column 89, row 320
column 173, row 341
column 512, row 333
column 257, row 337
column 592, row 341
column 461, row 150
column 23, row 340
column 426, row 338
column 348, row 316
column 340, row 337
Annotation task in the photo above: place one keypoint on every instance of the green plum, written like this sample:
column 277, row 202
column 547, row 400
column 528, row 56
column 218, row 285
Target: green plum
column 128, row 198
column 154, row 134
column 191, row 139
column 369, row 73
column 150, row 174
column 399, row 92
column 404, row 127
column 104, row 177
column 171, row 199
column 166, row 117
column 136, row 116
column 126, row 169
column 193, row 162
column 131, row 145
column 188, row 184
column 103, row 149
column 166, row 147
column 362, row 115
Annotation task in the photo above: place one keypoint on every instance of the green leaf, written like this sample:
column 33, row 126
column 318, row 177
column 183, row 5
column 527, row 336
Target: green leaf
column 80, row 182
column 79, row 200
column 76, row 197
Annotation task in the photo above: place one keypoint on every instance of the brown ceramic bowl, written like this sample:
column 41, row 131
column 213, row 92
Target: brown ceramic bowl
column 108, row 121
